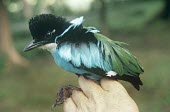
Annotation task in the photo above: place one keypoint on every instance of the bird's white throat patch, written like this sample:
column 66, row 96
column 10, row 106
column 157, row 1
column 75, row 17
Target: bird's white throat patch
column 49, row 47
column 111, row 73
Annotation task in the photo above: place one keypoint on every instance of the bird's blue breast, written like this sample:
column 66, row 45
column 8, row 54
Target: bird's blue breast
column 80, row 58
column 65, row 64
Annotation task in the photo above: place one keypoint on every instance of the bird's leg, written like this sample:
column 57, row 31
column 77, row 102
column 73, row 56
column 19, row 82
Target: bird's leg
column 64, row 93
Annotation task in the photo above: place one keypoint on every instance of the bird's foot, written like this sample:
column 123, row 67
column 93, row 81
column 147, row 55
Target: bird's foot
column 64, row 93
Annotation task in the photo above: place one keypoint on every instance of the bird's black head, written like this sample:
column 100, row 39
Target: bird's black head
column 44, row 28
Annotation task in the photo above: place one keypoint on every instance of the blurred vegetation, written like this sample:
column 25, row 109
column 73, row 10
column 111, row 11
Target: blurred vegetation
column 140, row 23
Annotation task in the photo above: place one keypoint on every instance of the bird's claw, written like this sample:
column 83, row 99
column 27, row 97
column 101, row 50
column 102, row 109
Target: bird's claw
column 64, row 93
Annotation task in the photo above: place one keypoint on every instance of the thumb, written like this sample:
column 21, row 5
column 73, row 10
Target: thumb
column 69, row 106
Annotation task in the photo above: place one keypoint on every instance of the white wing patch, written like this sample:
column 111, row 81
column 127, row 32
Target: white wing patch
column 111, row 73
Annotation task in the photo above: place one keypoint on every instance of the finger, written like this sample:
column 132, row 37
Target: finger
column 69, row 106
column 112, row 86
column 89, row 87
column 79, row 98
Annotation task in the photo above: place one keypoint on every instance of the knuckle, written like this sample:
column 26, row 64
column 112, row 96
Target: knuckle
column 76, row 93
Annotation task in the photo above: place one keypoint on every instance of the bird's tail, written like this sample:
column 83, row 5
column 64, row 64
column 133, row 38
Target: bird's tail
column 135, row 81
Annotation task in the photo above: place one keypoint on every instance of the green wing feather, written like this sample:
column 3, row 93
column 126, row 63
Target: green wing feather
column 122, row 61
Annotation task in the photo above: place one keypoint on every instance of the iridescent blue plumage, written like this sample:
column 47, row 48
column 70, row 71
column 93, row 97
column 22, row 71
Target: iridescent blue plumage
column 84, row 51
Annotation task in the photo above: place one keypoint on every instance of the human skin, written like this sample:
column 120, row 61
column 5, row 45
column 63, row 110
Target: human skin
column 109, row 96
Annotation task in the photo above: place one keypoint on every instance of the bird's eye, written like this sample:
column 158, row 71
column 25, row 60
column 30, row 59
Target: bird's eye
column 48, row 35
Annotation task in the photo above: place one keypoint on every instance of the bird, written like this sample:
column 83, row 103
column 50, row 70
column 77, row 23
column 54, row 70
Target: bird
column 83, row 50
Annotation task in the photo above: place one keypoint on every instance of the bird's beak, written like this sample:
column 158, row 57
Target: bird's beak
column 33, row 44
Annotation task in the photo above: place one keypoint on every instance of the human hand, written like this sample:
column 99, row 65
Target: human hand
column 109, row 96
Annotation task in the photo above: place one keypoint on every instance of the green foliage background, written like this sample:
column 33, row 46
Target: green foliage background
column 33, row 88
